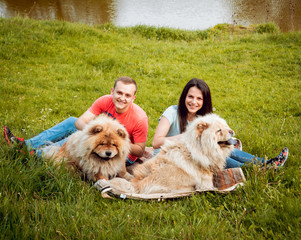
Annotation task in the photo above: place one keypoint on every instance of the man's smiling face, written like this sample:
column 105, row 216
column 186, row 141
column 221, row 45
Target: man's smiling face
column 123, row 96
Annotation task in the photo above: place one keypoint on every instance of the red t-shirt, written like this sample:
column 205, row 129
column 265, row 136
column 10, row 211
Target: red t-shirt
column 134, row 119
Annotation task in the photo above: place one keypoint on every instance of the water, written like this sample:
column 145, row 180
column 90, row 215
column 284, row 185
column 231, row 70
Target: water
column 188, row 14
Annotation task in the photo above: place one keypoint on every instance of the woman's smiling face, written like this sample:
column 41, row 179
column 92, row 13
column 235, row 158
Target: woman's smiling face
column 194, row 100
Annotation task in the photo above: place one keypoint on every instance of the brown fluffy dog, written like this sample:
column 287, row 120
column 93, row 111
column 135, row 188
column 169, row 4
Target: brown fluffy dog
column 185, row 165
column 99, row 151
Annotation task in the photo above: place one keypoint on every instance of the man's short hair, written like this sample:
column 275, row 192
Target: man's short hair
column 126, row 80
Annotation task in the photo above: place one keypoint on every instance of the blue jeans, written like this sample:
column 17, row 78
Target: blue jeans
column 238, row 158
column 58, row 134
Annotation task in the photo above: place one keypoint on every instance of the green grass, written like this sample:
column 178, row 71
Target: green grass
column 51, row 70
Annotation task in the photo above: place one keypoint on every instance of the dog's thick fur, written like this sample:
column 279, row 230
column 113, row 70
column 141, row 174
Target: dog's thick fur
column 184, row 165
column 99, row 151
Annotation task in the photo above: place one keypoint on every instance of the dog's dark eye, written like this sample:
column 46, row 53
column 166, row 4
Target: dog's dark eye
column 115, row 145
column 219, row 130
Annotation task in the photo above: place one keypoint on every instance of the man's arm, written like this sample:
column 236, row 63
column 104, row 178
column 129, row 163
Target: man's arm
column 84, row 119
column 137, row 149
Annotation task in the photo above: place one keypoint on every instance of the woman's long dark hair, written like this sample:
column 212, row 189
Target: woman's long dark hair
column 207, row 103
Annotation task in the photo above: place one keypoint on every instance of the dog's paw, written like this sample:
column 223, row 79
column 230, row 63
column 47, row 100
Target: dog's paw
column 121, row 185
column 205, row 186
column 102, row 183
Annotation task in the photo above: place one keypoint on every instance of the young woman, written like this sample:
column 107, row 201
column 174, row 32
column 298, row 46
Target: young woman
column 196, row 101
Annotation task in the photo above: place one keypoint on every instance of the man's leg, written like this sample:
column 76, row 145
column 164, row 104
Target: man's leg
column 54, row 134
column 39, row 151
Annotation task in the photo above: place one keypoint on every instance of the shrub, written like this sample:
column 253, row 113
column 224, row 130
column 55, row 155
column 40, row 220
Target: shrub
column 267, row 28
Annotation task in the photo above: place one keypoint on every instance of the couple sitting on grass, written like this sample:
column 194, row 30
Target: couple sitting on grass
column 194, row 101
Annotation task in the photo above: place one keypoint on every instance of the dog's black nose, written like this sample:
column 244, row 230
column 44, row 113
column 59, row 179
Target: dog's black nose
column 108, row 153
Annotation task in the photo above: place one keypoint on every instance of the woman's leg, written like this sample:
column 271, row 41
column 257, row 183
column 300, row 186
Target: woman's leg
column 54, row 134
column 231, row 163
column 244, row 157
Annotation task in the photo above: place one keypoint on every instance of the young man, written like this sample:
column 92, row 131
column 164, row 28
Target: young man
column 119, row 105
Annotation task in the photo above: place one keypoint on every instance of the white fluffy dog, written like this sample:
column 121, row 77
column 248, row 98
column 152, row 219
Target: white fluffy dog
column 185, row 165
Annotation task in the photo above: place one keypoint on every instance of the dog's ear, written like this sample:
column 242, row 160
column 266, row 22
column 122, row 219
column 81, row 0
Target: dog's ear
column 121, row 133
column 201, row 127
column 96, row 129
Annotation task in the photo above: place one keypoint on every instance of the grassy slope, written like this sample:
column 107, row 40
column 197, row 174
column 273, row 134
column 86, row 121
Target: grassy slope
column 52, row 70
